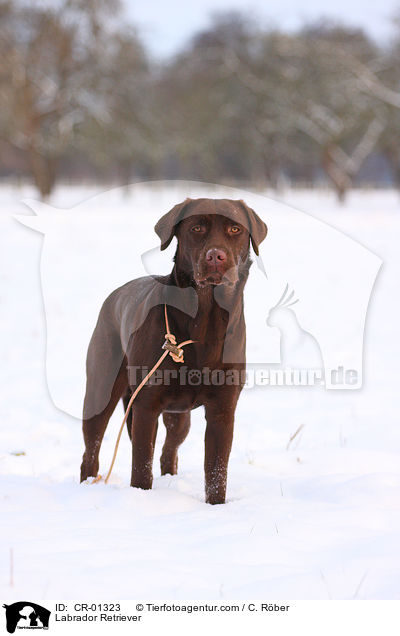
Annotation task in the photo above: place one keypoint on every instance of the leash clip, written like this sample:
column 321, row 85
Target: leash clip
column 172, row 349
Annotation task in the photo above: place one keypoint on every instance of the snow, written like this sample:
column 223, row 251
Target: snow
column 314, row 518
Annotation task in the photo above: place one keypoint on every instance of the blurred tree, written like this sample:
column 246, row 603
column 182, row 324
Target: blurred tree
column 260, row 105
column 385, row 88
column 203, row 105
column 55, row 73
column 304, row 84
column 123, row 137
column 230, row 104
column 342, row 120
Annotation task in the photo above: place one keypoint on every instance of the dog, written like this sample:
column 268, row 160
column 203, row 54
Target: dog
column 202, row 299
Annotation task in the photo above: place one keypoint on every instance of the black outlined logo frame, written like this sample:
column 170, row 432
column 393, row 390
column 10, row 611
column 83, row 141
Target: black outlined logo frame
column 26, row 615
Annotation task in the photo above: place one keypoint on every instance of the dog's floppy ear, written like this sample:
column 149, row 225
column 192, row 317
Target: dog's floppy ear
column 257, row 228
column 166, row 226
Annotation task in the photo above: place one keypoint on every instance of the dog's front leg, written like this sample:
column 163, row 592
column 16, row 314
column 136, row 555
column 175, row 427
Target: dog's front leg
column 144, row 431
column 218, row 443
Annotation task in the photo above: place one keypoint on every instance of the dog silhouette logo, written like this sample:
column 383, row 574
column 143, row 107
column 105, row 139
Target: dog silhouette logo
column 26, row 615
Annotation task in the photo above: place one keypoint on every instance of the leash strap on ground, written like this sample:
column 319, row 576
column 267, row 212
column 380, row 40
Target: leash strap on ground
column 176, row 353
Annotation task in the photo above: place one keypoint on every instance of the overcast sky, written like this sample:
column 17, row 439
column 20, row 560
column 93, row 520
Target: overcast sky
column 165, row 25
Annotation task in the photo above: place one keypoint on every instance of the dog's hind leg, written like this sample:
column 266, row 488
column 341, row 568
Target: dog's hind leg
column 107, row 380
column 94, row 427
column 177, row 425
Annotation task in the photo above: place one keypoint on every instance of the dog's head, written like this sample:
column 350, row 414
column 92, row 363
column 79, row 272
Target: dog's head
column 214, row 237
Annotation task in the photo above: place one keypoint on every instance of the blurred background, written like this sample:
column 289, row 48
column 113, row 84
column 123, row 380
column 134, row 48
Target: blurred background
column 110, row 92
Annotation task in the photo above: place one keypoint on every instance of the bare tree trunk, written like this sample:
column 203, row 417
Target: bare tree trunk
column 43, row 171
column 125, row 171
column 392, row 154
column 340, row 179
column 271, row 171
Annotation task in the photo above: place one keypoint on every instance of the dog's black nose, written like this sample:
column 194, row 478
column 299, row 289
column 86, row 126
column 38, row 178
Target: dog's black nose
column 216, row 256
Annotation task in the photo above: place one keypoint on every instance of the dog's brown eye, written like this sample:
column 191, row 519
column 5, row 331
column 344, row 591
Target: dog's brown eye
column 235, row 229
column 197, row 228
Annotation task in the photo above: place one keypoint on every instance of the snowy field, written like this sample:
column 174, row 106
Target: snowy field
column 314, row 518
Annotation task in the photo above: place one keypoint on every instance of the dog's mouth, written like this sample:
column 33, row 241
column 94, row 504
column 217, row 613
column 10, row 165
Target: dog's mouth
column 216, row 278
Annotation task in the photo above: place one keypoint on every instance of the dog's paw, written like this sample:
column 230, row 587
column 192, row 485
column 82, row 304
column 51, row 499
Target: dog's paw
column 92, row 480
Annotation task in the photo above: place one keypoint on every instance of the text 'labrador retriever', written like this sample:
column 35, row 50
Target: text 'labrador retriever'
column 203, row 301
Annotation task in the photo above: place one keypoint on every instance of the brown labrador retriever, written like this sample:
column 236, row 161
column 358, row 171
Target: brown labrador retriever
column 204, row 300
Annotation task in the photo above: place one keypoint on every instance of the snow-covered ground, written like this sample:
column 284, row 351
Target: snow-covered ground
column 317, row 518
